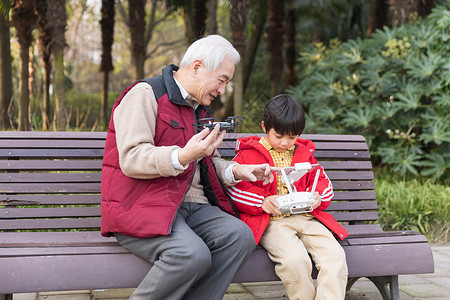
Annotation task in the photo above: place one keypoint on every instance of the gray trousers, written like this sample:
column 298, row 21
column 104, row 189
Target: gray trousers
column 197, row 260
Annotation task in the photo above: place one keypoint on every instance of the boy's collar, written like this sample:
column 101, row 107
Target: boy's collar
column 265, row 142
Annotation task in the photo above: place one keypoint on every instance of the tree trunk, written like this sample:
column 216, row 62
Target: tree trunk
column 104, row 101
column 45, row 109
column 275, row 40
column 24, row 19
column 44, row 38
column 424, row 7
column 378, row 16
column 60, row 93
column 401, row 9
column 5, row 73
column 238, row 23
column 57, row 27
column 291, row 53
column 107, row 26
column 194, row 17
column 211, row 19
column 24, row 94
column 137, row 31
column 254, row 40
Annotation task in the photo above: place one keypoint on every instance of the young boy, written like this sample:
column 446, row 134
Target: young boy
column 289, row 238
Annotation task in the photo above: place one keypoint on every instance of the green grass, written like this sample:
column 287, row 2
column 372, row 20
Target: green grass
column 413, row 203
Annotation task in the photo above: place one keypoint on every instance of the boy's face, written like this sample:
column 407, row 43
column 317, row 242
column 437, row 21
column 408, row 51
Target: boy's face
column 278, row 141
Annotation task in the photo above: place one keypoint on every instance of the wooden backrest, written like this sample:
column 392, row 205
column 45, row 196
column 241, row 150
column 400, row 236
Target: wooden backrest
column 51, row 180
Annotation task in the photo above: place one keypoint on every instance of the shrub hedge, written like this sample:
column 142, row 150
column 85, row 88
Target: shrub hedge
column 394, row 88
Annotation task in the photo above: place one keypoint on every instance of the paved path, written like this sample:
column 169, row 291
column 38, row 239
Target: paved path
column 434, row 286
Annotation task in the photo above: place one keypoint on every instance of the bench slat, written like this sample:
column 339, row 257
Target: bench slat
column 95, row 199
column 32, row 144
column 353, row 185
column 49, row 177
column 82, row 185
column 329, row 145
column 97, row 164
column 319, row 154
column 313, row 137
column 51, row 153
column 386, row 239
column 59, row 212
column 360, row 229
column 345, row 165
column 96, row 177
column 355, row 216
column 51, row 165
column 352, row 205
column 357, row 175
column 50, row 188
column 354, row 195
column 49, row 224
column 27, row 200
column 73, row 249
column 85, row 238
column 55, row 135
column 322, row 154
column 65, row 212
column 23, row 200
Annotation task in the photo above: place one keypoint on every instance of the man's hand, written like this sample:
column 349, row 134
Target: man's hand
column 201, row 145
column 253, row 173
column 270, row 205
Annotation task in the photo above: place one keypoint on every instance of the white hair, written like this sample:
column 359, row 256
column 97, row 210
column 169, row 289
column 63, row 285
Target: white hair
column 212, row 50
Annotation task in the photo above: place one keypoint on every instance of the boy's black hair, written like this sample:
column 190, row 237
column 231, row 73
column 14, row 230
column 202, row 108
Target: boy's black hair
column 285, row 114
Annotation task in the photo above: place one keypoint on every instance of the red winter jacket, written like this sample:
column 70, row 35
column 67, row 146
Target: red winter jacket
column 248, row 197
column 147, row 207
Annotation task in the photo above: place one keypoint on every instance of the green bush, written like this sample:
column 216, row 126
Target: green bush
column 393, row 88
column 413, row 204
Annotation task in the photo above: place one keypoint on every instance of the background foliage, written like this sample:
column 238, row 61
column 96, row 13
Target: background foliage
column 414, row 204
column 393, row 88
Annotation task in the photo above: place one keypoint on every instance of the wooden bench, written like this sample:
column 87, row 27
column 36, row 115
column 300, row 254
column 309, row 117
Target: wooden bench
column 50, row 217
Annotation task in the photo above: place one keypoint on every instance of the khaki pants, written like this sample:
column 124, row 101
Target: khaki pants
column 288, row 242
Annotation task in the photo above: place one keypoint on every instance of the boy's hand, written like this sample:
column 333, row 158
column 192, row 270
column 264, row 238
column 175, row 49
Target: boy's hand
column 253, row 173
column 317, row 200
column 270, row 205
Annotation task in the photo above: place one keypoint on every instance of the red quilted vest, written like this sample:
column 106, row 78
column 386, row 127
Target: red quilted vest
column 147, row 208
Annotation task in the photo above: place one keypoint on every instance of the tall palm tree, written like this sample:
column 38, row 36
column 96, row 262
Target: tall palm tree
column 24, row 19
column 45, row 51
column 5, row 70
column 106, row 65
column 57, row 28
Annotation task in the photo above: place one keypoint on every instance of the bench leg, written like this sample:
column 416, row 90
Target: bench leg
column 6, row 297
column 350, row 282
column 388, row 286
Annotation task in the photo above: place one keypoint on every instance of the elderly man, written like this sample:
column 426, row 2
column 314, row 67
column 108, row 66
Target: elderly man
column 162, row 182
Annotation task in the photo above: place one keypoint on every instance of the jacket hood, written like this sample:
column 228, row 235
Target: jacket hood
column 252, row 142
